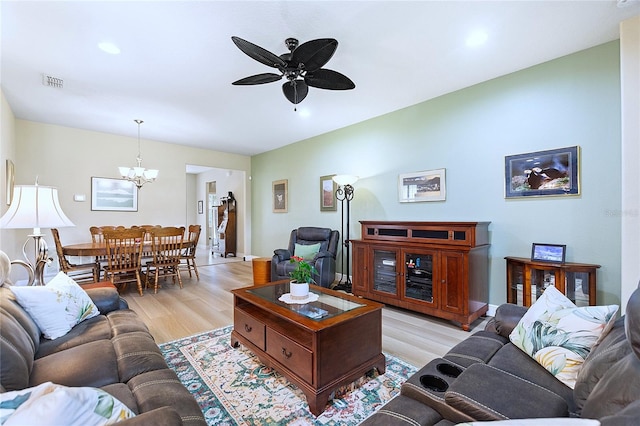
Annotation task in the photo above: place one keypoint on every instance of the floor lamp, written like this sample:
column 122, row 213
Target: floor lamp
column 344, row 194
column 35, row 206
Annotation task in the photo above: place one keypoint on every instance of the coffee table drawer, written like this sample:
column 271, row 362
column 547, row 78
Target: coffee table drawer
column 295, row 357
column 249, row 327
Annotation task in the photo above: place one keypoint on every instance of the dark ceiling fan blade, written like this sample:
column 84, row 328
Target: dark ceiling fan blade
column 314, row 54
column 295, row 91
column 258, row 53
column 267, row 77
column 329, row 79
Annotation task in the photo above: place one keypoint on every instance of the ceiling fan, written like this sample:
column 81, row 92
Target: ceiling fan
column 302, row 67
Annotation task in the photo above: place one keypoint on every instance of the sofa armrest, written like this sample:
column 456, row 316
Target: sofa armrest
column 105, row 299
column 163, row 416
column 486, row 393
column 282, row 254
column 507, row 317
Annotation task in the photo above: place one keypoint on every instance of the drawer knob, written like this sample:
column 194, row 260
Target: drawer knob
column 285, row 353
column 247, row 328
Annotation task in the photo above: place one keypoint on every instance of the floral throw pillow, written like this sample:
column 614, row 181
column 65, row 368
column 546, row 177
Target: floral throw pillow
column 559, row 335
column 56, row 307
column 52, row 404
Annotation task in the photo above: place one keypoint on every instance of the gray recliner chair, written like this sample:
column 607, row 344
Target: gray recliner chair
column 324, row 261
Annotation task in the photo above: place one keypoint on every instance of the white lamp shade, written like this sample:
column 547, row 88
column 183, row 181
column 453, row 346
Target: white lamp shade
column 151, row 174
column 343, row 180
column 34, row 206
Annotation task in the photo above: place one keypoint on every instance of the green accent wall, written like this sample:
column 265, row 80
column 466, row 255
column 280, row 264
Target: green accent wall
column 573, row 100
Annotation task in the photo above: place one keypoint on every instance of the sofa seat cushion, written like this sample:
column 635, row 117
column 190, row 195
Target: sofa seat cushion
column 122, row 393
column 479, row 347
column 96, row 328
column 51, row 403
column 92, row 364
column 403, row 411
column 161, row 388
column 512, row 360
column 136, row 353
column 486, row 393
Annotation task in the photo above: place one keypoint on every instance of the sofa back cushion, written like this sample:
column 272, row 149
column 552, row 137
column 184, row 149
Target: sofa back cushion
column 17, row 352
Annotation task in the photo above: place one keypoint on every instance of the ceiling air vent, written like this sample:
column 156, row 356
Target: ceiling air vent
column 51, row 81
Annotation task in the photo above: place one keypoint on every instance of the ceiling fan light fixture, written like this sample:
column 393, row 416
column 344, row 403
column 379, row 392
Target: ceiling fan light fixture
column 302, row 67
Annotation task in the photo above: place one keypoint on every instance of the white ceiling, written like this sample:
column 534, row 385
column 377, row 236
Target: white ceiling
column 177, row 60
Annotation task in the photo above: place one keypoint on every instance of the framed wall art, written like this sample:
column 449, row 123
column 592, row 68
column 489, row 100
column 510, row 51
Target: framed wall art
column 552, row 253
column 280, row 189
column 328, row 194
column 11, row 176
column 543, row 173
column 200, row 207
column 429, row 185
column 113, row 195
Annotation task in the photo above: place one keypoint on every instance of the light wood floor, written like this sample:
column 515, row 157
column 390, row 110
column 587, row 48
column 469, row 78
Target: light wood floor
column 207, row 304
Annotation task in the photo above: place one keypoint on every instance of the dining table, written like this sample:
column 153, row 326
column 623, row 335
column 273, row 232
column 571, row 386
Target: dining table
column 100, row 248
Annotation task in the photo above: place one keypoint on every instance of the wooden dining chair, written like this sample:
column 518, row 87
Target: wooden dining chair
column 188, row 257
column 124, row 256
column 166, row 245
column 81, row 273
column 97, row 236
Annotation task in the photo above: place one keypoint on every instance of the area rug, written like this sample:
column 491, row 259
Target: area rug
column 234, row 388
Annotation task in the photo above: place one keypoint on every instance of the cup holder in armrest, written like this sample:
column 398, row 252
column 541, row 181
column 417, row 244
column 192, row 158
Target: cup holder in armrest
column 434, row 383
column 449, row 369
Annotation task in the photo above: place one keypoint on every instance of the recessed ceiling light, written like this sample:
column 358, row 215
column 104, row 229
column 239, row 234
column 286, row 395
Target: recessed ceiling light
column 109, row 48
column 477, row 38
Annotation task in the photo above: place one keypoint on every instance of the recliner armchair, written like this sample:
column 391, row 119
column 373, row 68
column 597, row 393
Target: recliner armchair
column 324, row 261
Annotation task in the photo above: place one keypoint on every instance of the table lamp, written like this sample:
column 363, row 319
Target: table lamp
column 35, row 206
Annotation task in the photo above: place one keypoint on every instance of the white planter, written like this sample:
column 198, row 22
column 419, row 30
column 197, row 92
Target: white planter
column 298, row 291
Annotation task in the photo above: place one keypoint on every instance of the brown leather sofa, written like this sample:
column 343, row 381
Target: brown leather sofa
column 112, row 351
column 487, row 378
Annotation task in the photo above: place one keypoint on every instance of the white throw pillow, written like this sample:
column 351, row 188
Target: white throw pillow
column 56, row 307
column 51, row 404
column 559, row 335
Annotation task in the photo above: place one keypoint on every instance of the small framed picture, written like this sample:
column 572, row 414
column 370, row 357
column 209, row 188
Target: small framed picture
column 552, row 253
column 200, row 207
column 543, row 173
column 10, row 175
column 328, row 194
column 109, row 194
column 429, row 185
column 280, row 196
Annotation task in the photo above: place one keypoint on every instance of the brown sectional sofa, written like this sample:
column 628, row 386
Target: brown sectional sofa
column 487, row 378
column 113, row 351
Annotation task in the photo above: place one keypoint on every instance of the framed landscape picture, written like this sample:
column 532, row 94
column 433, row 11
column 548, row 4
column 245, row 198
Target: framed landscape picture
column 280, row 193
column 328, row 194
column 113, row 195
column 552, row 253
column 543, row 173
column 428, row 185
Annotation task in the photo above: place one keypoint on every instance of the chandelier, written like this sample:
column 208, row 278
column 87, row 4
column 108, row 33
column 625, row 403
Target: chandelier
column 138, row 175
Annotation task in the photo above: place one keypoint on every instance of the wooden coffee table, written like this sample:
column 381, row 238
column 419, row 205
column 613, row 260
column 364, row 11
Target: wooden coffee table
column 319, row 345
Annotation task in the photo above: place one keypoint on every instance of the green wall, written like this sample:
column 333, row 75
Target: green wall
column 574, row 100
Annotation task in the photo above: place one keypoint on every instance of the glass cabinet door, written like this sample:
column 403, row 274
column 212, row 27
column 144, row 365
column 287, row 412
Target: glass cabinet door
column 577, row 287
column 384, row 271
column 418, row 277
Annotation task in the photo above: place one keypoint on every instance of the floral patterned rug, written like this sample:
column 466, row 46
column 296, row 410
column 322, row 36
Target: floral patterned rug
column 234, row 388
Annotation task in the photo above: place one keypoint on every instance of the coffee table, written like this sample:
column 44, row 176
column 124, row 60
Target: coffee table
column 319, row 345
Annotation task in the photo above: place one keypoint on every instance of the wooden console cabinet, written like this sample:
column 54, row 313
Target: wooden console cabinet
column 527, row 279
column 436, row 268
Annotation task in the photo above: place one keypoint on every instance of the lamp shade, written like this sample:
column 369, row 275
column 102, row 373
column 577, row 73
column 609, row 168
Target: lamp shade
column 343, row 180
column 34, row 206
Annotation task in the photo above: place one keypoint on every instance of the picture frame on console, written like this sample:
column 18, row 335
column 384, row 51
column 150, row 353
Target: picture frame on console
column 428, row 185
column 280, row 195
column 554, row 172
column 551, row 253
column 328, row 190
column 109, row 194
